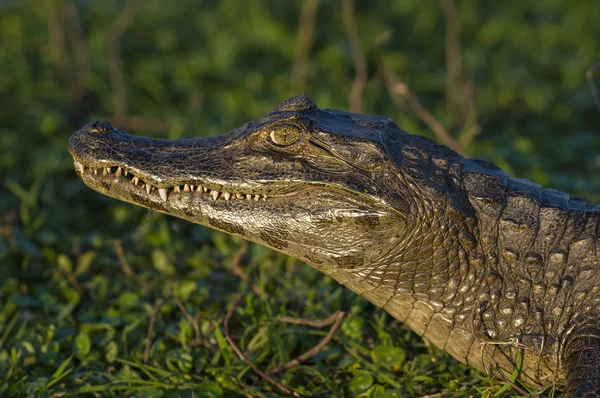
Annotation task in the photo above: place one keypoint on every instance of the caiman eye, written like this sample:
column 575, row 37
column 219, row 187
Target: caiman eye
column 284, row 135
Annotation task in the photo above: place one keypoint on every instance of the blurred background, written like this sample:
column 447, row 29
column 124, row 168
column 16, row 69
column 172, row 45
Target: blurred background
column 98, row 298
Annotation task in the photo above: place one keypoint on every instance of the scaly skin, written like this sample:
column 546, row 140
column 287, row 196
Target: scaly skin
column 495, row 270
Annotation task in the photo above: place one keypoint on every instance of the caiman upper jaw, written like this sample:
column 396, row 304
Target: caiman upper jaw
column 105, row 173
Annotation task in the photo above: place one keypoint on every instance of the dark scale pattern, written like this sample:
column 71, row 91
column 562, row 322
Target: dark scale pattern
column 487, row 267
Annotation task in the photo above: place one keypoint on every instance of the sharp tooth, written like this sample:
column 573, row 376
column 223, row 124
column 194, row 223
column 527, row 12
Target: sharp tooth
column 135, row 180
column 80, row 167
column 191, row 188
column 109, row 170
column 119, row 171
column 163, row 194
column 215, row 195
column 148, row 188
column 256, row 197
column 226, row 195
column 126, row 172
column 264, row 198
column 186, row 188
column 248, row 196
column 204, row 189
column 239, row 195
column 199, row 188
column 176, row 188
column 96, row 171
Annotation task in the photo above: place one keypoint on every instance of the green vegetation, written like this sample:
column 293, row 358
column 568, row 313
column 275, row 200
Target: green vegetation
column 77, row 318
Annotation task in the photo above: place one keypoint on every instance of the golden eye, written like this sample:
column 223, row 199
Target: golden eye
column 284, row 135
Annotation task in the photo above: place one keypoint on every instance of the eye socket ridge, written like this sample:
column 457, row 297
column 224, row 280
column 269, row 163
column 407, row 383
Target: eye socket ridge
column 283, row 135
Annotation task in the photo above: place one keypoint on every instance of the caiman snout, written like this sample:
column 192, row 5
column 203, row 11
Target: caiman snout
column 87, row 139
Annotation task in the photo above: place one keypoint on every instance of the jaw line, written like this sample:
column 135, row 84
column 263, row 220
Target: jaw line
column 94, row 175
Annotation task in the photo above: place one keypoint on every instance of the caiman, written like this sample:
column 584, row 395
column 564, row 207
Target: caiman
column 498, row 271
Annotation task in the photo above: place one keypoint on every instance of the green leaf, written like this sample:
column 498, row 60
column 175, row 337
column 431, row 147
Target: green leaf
column 161, row 263
column 361, row 383
column 60, row 372
column 209, row 389
column 353, row 327
column 65, row 264
column 83, row 343
column 183, row 289
column 391, row 394
column 112, row 352
column 179, row 360
column 84, row 262
column 128, row 301
column 388, row 356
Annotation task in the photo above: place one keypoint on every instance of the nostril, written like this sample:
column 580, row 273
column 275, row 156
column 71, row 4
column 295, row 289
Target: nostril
column 99, row 126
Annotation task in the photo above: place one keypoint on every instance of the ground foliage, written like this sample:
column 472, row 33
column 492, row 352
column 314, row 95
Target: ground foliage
column 75, row 316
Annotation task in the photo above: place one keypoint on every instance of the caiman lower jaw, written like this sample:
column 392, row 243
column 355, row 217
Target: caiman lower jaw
column 128, row 177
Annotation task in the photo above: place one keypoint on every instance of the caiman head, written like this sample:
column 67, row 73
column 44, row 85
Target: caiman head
column 325, row 186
